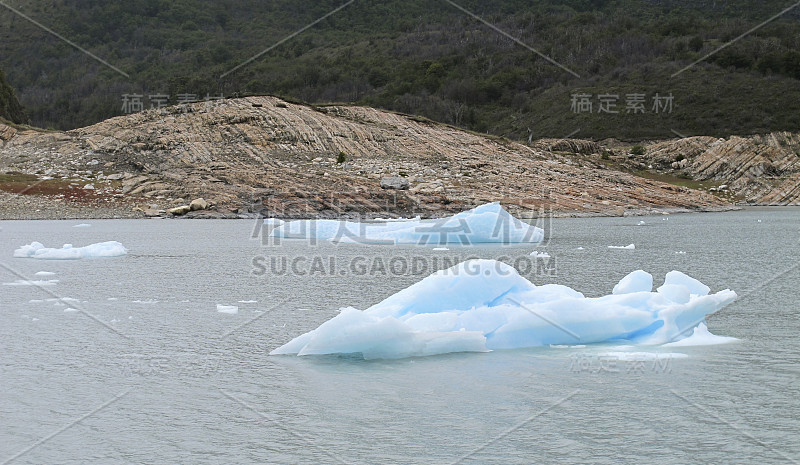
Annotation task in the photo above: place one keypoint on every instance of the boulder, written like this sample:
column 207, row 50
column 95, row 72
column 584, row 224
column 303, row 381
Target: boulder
column 182, row 210
column 394, row 182
column 198, row 204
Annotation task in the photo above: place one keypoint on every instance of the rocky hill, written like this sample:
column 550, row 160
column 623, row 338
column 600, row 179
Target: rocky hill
column 267, row 156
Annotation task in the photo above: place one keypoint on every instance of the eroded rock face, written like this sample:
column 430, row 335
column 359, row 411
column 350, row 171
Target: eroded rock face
column 6, row 132
column 264, row 155
column 762, row 169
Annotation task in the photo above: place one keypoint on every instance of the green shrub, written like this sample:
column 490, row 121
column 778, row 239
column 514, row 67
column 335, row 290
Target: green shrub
column 341, row 158
column 637, row 150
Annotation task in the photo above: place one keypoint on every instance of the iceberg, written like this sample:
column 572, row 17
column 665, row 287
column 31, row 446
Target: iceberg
column 483, row 305
column 67, row 252
column 489, row 223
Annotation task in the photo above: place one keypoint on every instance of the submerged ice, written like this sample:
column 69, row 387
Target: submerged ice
column 481, row 305
column 489, row 223
column 67, row 252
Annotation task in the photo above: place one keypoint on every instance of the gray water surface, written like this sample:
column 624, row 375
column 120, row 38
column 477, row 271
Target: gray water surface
column 157, row 375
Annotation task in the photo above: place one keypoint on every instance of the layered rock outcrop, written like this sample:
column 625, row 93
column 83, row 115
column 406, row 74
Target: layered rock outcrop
column 264, row 155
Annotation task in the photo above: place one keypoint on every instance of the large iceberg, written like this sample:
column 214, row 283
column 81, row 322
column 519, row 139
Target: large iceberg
column 481, row 305
column 489, row 223
column 67, row 252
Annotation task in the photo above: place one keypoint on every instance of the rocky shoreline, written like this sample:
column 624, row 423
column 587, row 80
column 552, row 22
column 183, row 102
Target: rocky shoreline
column 261, row 156
column 13, row 207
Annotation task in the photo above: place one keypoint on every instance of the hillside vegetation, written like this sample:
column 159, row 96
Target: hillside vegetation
column 423, row 57
column 10, row 109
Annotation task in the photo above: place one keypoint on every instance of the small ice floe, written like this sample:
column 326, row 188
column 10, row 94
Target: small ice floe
column 144, row 301
column 440, row 248
column 70, row 310
column 67, row 252
column 248, row 301
column 625, row 247
column 476, row 226
column 759, row 221
column 230, row 309
column 43, row 273
column 25, row 282
column 680, row 252
column 112, row 298
column 82, row 225
column 35, row 301
column 537, row 254
column 564, row 346
column 580, row 248
column 641, row 223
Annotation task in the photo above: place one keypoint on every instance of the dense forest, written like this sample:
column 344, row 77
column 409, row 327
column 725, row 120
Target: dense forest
column 10, row 108
column 588, row 68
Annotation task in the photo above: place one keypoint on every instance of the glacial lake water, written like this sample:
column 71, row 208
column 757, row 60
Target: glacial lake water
column 148, row 371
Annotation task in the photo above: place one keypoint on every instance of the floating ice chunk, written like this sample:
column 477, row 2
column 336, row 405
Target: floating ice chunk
column 148, row 301
column 113, row 298
column 82, row 225
column 626, row 247
column 636, row 281
column 25, row 282
column 488, row 223
column 695, row 287
column 481, row 305
column 248, row 301
column 67, row 252
column 539, row 254
column 70, row 310
column 701, row 336
column 230, row 309
column 680, row 252
column 641, row 356
column 641, row 223
column 440, row 248
column 579, row 248
column 44, row 273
